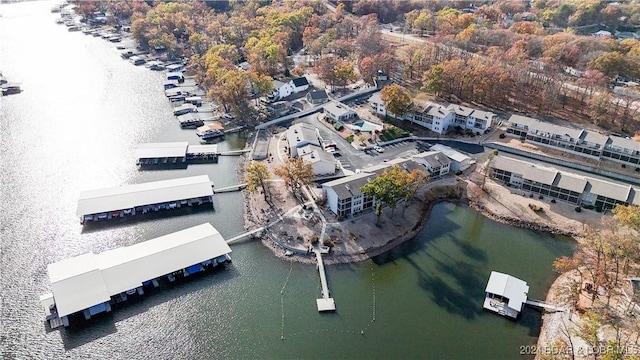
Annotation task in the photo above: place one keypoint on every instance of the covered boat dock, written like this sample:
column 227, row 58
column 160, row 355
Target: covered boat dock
column 174, row 154
column 505, row 295
column 125, row 200
column 91, row 283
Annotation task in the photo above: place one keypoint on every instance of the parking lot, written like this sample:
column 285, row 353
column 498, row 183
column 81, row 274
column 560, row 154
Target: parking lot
column 352, row 159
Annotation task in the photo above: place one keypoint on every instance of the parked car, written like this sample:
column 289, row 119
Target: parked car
column 378, row 149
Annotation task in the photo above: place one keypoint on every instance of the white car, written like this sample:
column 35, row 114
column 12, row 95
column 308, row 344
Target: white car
column 378, row 149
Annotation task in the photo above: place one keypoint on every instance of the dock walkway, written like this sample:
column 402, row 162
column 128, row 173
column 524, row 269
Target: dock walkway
column 326, row 303
column 544, row 305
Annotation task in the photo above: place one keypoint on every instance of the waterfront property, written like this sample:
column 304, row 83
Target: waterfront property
column 344, row 197
column 459, row 161
column 436, row 163
column 505, row 295
column 588, row 144
column 565, row 186
column 90, row 283
column 300, row 135
column 174, row 153
column 322, row 162
column 125, row 200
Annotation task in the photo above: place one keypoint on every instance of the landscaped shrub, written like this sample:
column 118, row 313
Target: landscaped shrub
column 338, row 126
column 553, row 201
column 502, row 136
column 314, row 239
column 531, row 195
column 540, row 197
column 350, row 138
column 578, row 209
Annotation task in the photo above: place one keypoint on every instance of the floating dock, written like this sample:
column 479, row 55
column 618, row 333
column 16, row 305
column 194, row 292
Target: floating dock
column 158, row 155
column 129, row 200
column 90, row 284
column 326, row 303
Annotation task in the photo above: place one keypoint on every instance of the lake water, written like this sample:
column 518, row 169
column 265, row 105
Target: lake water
column 75, row 127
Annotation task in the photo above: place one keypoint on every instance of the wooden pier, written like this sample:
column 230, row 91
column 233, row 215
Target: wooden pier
column 326, row 303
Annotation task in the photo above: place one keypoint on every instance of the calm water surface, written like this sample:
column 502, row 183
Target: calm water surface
column 82, row 113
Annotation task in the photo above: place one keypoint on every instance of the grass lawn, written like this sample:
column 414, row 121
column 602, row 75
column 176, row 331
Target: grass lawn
column 393, row 133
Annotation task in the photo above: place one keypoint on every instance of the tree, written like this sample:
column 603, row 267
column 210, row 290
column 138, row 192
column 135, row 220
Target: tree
column 388, row 187
column 295, row 172
column 257, row 175
column 487, row 167
column 415, row 180
column 433, row 80
column 611, row 63
column 628, row 216
column 344, row 73
column 396, row 100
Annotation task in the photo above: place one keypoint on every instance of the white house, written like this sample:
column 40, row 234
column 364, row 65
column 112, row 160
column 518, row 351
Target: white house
column 299, row 84
column 300, row 135
column 321, row 161
column 459, row 161
column 437, row 164
column 339, row 111
column 434, row 117
column 377, row 105
column 281, row 90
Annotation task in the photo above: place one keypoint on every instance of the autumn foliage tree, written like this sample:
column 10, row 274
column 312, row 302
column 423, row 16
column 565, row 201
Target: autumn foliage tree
column 257, row 175
column 295, row 172
column 396, row 100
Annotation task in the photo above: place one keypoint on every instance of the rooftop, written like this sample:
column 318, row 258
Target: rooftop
column 129, row 196
column 161, row 150
column 509, row 287
column 83, row 281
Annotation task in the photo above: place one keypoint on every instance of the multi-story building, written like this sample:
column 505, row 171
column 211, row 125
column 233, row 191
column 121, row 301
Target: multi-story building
column 344, row 197
column 439, row 118
column 573, row 188
column 581, row 142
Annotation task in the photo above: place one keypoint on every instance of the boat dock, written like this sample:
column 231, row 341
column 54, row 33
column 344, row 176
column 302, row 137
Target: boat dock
column 326, row 303
column 507, row 296
column 129, row 200
column 90, row 284
column 163, row 155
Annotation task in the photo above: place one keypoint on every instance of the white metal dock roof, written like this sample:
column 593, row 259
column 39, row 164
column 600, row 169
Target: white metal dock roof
column 129, row 196
column 86, row 280
column 203, row 149
column 509, row 287
column 162, row 150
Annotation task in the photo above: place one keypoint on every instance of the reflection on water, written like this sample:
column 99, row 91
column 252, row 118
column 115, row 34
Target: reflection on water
column 82, row 113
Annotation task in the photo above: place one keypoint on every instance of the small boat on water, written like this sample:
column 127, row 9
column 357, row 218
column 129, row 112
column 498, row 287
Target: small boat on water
column 212, row 134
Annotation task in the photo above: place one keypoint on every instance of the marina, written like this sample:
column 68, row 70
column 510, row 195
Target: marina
column 179, row 154
column 129, row 200
column 91, row 283
column 440, row 274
